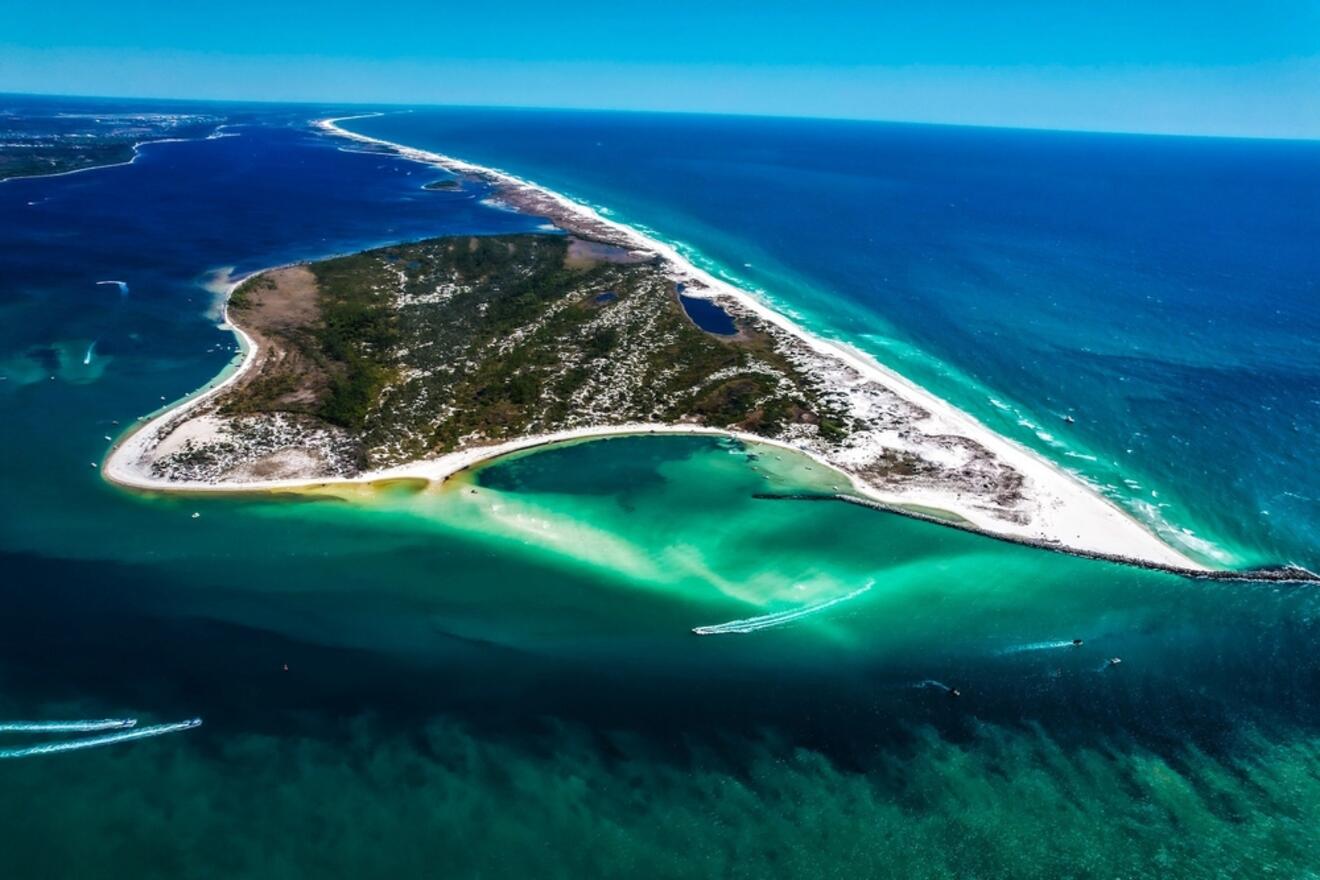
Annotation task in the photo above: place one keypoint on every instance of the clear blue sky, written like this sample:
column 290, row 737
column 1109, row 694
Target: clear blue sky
column 1246, row 68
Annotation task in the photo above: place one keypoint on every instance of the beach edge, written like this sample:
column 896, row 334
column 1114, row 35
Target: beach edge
column 1138, row 541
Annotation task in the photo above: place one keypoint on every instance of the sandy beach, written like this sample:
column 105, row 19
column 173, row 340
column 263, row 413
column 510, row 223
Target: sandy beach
column 1059, row 509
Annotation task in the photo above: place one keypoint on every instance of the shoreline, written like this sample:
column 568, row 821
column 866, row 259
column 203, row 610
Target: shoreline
column 50, row 174
column 437, row 471
column 137, row 154
column 1026, row 461
column 1070, row 514
column 1286, row 573
column 142, row 432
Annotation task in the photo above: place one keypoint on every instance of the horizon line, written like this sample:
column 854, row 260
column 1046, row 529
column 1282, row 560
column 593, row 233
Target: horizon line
column 392, row 106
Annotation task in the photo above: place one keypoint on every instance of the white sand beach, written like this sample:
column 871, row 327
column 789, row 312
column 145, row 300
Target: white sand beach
column 1057, row 507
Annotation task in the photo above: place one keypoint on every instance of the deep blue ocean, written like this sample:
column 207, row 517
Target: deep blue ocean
column 1162, row 292
column 506, row 684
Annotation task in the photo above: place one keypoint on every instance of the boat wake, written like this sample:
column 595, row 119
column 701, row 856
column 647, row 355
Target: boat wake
column 66, row 726
column 932, row 683
column 105, row 739
column 87, row 358
column 780, row 618
column 1040, row 646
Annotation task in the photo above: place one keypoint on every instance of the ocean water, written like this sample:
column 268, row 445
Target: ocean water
column 499, row 677
column 1162, row 292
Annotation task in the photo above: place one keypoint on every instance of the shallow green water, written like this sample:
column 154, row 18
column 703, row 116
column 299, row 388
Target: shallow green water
column 499, row 678
column 1141, row 311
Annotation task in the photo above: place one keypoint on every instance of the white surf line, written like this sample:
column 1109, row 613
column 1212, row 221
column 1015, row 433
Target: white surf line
column 1069, row 509
column 765, row 621
column 103, row 740
column 1068, row 512
column 67, row 726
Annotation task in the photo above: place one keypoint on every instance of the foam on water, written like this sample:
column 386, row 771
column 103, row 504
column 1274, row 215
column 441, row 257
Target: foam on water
column 1024, row 379
column 363, row 604
column 66, row 726
column 765, row 621
column 932, row 683
column 1038, row 646
column 122, row 285
column 102, row 740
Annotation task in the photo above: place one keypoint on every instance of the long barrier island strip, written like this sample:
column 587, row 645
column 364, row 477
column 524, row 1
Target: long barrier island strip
column 420, row 359
column 1268, row 574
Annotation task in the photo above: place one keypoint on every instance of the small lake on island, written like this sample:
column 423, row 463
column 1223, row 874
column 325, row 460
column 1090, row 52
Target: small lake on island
column 708, row 316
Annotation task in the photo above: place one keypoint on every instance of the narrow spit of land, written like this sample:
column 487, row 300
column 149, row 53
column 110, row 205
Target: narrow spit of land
column 1265, row 574
column 421, row 359
column 385, row 362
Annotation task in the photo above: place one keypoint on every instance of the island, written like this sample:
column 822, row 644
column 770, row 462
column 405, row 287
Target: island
column 396, row 355
column 421, row 359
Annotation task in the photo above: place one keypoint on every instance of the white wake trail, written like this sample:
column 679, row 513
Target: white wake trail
column 1038, row 646
column 103, row 740
column 779, row 618
column 66, row 726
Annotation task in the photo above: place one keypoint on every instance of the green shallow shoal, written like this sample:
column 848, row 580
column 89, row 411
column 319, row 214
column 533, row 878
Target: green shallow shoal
column 497, row 676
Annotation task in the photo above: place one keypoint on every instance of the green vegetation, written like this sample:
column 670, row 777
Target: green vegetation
column 56, row 144
column 420, row 348
column 60, row 158
column 241, row 297
column 358, row 333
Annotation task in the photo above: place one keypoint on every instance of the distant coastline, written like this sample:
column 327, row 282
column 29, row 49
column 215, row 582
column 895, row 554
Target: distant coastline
column 128, row 153
column 130, row 150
